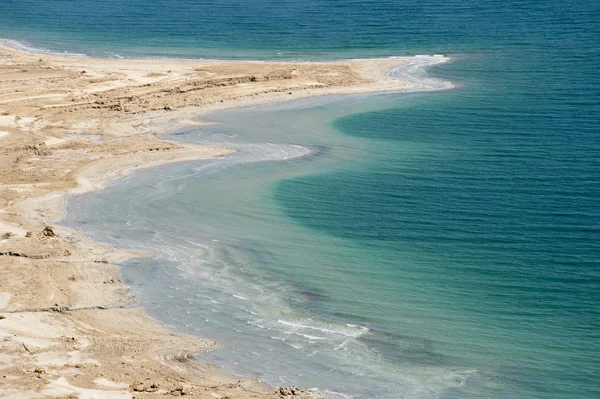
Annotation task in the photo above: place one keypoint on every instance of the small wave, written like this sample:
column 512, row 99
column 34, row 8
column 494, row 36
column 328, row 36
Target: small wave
column 340, row 346
column 312, row 337
column 115, row 56
column 417, row 64
column 353, row 332
column 196, row 244
column 28, row 48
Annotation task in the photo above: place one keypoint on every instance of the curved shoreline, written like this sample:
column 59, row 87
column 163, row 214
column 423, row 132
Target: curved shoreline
column 74, row 125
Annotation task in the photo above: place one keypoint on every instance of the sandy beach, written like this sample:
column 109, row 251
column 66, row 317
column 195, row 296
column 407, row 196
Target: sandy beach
column 69, row 328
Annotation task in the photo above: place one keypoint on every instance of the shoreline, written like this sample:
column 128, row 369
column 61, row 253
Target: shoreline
column 73, row 125
column 23, row 46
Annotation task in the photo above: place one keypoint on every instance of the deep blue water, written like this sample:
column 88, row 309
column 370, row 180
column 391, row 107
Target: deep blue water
column 315, row 28
column 433, row 245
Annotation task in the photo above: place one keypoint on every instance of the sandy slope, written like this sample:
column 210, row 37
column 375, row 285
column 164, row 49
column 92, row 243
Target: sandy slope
column 68, row 326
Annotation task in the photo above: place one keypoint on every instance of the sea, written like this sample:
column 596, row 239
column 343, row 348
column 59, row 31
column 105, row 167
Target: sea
column 439, row 244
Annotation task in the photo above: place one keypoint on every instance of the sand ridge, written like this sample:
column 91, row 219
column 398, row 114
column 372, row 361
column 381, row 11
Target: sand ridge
column 69, row 328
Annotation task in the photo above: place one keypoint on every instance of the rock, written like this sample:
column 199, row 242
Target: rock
column 168, row 108
column 179, row 391
column 8, row 235
column 2, row 317
column 49, row 231
column 144, row 386
column 138, row 386
column 29, row 234
column 41, row 149
column 291, row 391
column 39, row 370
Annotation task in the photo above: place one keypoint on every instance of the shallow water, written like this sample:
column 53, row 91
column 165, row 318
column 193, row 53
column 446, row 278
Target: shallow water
column 423, row 245
column 230, row 265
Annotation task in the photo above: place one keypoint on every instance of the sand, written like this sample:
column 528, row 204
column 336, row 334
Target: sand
column 69, row 328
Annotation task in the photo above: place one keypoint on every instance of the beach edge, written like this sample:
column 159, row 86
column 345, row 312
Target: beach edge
column 87, row 303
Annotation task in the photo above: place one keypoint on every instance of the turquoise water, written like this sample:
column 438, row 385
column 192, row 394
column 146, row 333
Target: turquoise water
column 404, row 245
